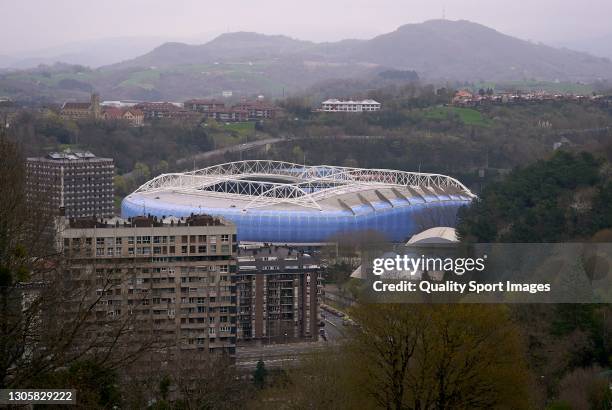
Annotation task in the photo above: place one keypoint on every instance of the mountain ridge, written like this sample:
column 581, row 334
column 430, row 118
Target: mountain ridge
column 249, row 63
column 443, row 49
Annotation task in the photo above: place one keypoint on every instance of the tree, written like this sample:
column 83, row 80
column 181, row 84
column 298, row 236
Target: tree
column 585, row 389
column 538, row 203
column 298, row 154
column 48, row 309
column 142, row 171
column 323, row 380
column 260, row 374
column 439, row 357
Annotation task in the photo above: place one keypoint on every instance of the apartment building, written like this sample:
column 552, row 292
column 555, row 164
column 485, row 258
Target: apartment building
column 174, row 275
column 243, row 111
column 335, row 105
column 257, row 110
column 204, row 105
column 278, row 290
column 165, row 110
column 78, row 182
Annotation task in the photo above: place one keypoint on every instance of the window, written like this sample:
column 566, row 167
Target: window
column 223, row 268
column 213, row 248
column 202, row 249
column 201, row 238
column 225, row 238
column 183, row 249
column 118, row 241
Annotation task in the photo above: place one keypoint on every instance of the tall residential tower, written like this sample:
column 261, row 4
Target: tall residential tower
column 78, row 182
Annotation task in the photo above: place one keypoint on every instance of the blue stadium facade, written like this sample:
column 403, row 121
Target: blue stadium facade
column 280, row 202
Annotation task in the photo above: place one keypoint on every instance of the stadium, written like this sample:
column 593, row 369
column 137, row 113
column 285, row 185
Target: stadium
column 282, row 202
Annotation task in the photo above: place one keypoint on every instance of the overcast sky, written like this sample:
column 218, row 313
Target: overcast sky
column 38, row 24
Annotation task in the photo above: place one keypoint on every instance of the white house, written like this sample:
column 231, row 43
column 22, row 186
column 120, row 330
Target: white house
column 334, row 105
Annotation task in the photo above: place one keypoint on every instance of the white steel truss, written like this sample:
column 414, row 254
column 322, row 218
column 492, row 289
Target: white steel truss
column 272, row 182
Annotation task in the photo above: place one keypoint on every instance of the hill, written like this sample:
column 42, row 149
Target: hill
column 437, row 49
column 462, row 50
column 227, row 47
column 251, row 63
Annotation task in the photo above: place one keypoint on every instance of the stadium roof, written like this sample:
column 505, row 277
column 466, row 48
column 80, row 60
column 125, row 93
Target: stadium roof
column 436, row 235
column 284, row 185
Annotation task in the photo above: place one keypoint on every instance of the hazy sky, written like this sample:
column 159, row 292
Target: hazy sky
column 38, row 24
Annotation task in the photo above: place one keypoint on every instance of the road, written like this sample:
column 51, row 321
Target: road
column 334, row 329
column 288, row 354
column 234, row 148
column 188, row 162
column 275, row 355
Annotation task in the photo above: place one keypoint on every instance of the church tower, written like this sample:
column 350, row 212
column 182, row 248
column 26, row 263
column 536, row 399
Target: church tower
column 95, row 106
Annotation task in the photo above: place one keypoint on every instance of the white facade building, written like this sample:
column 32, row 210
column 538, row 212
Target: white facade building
column 335, row 105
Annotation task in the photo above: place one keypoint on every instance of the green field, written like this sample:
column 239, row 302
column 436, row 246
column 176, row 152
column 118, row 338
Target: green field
column 467, row 115
column 144, row 79
column 242, row 128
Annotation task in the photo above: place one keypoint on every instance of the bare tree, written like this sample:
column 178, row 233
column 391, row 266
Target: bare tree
column 49, row 311
column 439, row 357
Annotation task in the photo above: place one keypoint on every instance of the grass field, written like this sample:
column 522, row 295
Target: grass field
column 467, row 115
column 145, row 79
column 243, row 128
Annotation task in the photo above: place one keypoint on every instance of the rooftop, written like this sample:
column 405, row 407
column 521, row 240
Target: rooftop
column 145, row 221
column 336, row 101
column 69, row 156
column 76, row 106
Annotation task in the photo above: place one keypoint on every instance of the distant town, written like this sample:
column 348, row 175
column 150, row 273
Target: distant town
column 468, row 98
